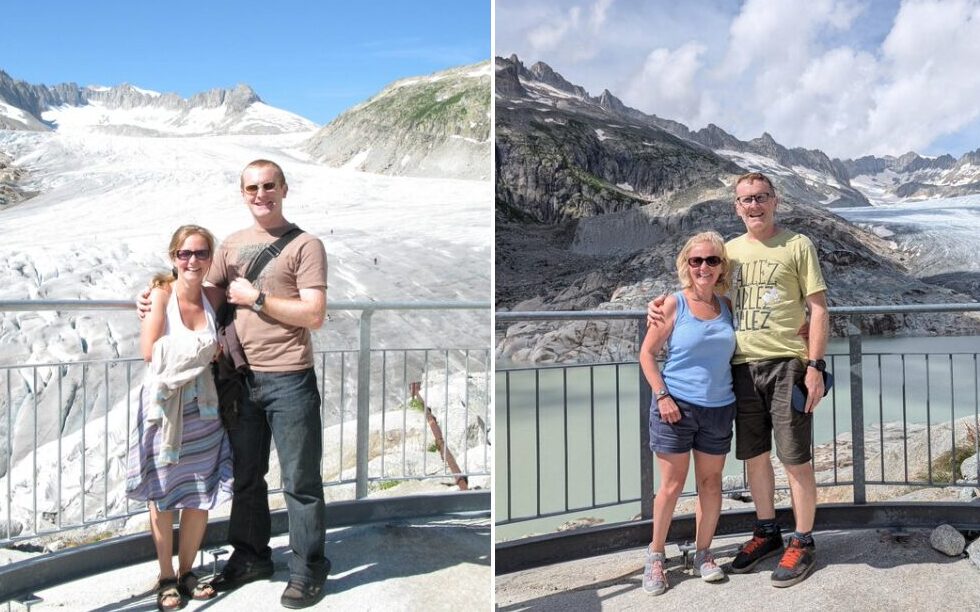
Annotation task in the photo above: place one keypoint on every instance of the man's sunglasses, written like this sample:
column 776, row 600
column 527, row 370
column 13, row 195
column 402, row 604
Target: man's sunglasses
column 253, row 189
column 695, row 262
column 185, row 254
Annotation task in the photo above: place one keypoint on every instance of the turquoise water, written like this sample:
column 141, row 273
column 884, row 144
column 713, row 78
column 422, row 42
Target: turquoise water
column 590, row 448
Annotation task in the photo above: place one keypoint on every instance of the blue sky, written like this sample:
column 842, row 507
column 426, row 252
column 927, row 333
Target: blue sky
column 850, row 77
column 312, row 58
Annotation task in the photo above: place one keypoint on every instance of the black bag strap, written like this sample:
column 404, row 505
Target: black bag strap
column 269, row 253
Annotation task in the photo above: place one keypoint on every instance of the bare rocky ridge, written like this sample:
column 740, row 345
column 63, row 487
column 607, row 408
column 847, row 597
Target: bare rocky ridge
column 436, row 125
column 11, row 177
column 911, row 176
column 595, row 199
column 30, row 102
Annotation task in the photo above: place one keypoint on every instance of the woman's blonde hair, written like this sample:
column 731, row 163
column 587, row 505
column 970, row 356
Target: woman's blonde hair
column 183, row 233
column 684, row 270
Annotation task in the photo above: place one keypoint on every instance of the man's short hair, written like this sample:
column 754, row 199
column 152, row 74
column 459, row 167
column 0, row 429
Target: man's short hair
column 755, row 176
column 262, row 163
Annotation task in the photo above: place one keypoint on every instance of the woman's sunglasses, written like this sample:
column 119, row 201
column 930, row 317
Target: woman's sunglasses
column 185, row 254
column 695, row 262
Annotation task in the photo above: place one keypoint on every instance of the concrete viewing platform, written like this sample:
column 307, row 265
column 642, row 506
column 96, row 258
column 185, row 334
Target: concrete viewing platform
column 408, row 552
column 439, row 563
column 865, row 569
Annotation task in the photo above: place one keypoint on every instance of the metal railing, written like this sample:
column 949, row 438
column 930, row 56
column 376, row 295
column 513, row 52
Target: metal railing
column 65, row 426
column 570, row 444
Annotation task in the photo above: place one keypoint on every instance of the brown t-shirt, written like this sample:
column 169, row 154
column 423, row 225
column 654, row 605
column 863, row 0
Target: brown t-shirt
column 271, row 346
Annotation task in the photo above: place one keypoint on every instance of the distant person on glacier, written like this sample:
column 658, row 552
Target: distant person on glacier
column 179, row 457
column 273, row 319
column 693, row 404
column 776, row 281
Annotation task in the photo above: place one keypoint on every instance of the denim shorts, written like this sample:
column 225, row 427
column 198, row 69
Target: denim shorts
column 708, row 430
column 764, row 392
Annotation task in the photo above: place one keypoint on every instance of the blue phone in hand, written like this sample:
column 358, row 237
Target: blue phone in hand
column 799, row 392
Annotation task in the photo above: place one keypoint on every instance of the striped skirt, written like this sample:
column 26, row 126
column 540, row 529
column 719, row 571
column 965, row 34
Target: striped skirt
column 201, row 478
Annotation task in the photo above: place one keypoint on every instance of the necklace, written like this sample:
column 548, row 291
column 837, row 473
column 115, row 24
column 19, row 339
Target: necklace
column 694, row 297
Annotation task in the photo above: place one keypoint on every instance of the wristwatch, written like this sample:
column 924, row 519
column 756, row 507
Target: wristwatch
column 662, row 394
column 259, row 302
column 820, row 364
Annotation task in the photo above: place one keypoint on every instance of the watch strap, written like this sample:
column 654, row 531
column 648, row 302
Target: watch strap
column 819, row 364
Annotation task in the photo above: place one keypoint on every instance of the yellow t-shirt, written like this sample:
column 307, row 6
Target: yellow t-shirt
column 770, row 282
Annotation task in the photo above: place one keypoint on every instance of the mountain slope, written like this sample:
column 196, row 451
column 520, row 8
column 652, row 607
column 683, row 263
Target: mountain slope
column 594, row 199
column 910, row 176
column 437, row 125
column 130, row 110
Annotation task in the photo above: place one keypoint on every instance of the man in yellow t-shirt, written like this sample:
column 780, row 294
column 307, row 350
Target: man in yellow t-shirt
column 776, row 280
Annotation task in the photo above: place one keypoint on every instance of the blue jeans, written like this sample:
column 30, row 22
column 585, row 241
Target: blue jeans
column 284, row 406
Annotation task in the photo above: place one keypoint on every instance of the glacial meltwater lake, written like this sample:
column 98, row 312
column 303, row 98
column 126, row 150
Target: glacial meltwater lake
column 565, row 439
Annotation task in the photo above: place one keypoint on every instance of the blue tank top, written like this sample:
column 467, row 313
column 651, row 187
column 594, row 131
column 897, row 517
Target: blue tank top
column 699, row 357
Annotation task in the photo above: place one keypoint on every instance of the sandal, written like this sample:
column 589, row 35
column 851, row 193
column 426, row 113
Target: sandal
column 192, row 588
column 168, row 595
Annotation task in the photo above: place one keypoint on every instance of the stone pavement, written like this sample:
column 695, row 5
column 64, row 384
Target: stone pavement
column 412, row 564
column 856, row 570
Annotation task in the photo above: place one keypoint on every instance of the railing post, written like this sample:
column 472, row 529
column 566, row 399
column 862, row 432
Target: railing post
column 857, row 408
column 646, row 457
column 363, row 403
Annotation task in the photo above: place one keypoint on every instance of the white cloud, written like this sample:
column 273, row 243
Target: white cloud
column 780, row 34
column 572, row 31
column 932, row 84
column 850, row 77
column 666, row 82
column 821, row 108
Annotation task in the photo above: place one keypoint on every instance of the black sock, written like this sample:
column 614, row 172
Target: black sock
column 805, row 539
column 767, row 526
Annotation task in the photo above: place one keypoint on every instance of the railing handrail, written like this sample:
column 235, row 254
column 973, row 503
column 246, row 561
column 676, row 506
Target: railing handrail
column 364, row 349
column 37, row 305
column 570, row 315
column 854, row 372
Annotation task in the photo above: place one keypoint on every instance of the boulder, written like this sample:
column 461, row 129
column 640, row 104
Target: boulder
column 973, row 551
column 968, row 469
column 947, row 540
column 10, row 530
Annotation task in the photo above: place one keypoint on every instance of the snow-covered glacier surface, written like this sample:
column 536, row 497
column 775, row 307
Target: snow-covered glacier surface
column 940, row 236
column 107, row 206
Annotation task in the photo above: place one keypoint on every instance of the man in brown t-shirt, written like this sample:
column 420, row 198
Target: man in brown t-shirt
column 273, row 320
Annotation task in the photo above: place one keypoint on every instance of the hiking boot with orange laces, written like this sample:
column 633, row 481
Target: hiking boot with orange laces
column 761, row 546
column 797, row 563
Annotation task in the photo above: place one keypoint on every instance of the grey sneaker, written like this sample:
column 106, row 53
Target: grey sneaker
column 797, row 563
column 654, row 577
column 705, row 566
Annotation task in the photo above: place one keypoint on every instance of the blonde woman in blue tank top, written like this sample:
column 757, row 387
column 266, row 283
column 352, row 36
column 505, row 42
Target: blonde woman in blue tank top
column 693, row 404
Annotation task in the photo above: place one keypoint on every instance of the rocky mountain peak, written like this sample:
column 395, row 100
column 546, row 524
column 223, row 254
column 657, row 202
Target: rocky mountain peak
column 507, row 77
column 767, row 145
column 611, row 102
column 544, row 73
column 714, row 137
column 971, row 157
column 435, row 125
column 906, row 159
column 237, row 99
column 34, row 102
